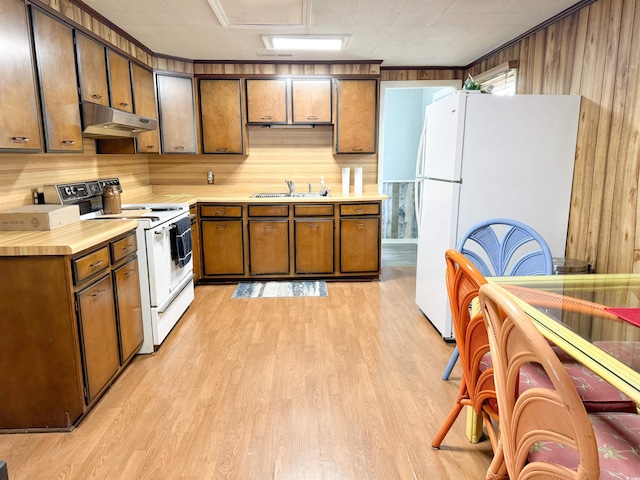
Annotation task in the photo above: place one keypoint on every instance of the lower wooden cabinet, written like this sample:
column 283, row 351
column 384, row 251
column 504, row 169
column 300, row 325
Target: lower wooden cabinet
column 222, row 247
column 129, row 309
column 359, row 245
column 74, row 322
column 269, row 247
column 290, row 240
column 314, row 245
column 98, row 335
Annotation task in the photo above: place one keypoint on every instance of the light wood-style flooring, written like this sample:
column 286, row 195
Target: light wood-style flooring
column 326, row 388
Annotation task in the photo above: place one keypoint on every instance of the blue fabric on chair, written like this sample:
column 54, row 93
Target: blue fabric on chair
column 518, row 250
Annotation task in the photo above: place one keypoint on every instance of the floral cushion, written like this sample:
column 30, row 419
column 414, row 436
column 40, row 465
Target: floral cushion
column 618, row 439
column 597, row 395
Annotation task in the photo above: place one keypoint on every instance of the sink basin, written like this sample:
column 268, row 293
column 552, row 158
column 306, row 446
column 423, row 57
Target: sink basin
column 288, row 195
column 270, row 195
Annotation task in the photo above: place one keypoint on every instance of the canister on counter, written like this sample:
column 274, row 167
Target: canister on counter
column 111, row 202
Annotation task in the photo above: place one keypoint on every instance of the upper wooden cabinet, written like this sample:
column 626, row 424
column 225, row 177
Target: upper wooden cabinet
column 58, row 85
column 223, row 130
column 356, row 114
column 19, row 115
column 285, row 101
column 105, row 76
column 267, row 101
column 177, row 114
column 92, row 70
column 144, row 95
column 120, row 81
column 311, row 100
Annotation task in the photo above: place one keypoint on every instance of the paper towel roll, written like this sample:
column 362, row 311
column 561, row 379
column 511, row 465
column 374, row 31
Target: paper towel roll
column 357, row 180
column 346, row 173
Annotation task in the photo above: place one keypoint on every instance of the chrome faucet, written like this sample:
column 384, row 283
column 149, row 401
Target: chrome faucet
column 291, row 186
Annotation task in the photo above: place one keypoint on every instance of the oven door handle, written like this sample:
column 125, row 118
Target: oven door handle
column 162, row 307
column 165, row 229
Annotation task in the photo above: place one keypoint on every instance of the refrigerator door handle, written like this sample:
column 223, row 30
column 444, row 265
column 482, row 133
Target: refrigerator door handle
column 421, row 146
column 418, row 201
column 445, row 180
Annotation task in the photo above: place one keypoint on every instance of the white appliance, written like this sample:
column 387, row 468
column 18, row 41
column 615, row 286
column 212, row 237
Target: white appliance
column 484, row 156
column 166, row 288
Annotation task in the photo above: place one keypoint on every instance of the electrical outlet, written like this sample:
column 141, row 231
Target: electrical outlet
column 35, row 198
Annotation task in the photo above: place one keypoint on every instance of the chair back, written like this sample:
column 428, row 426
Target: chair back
column 463, row 284
column 505, row 247
column 537, row 414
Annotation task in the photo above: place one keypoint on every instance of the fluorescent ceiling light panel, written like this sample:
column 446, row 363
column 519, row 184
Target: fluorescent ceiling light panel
column 261, row 13
column 306, row 42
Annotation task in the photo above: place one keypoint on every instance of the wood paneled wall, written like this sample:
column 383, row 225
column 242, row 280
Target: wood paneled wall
column 19, row 173
column 402, row 74
column 594, row 53
column 275, row 155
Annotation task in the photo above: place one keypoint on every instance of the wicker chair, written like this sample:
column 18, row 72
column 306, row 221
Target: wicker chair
column 546, row 433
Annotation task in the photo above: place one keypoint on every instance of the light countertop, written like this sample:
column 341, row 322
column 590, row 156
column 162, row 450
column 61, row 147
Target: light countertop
column 67, row 240
column 74, row 238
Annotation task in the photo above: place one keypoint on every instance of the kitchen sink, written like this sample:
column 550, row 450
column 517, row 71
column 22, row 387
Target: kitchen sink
column 289, row 195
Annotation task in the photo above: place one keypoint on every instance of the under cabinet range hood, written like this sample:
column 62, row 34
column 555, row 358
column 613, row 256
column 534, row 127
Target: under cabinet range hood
column 99, row 121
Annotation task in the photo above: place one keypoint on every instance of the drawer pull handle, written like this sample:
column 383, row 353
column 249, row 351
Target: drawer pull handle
column 360, row 210
column 96, row 96
column 360, row 225
column 313, row 225
column 219, row 212
column 96, row 265
column 149, row 147
column 180, row 147
column 68, row 142
column 129, row 272
column 266, row 117
column 221, row 226
column 267, row 226
column 124, row 104
column 126, row 248
column 312, row 117
column 99, row 293
column 356, row 149
column 222, row 149
column 20, row 139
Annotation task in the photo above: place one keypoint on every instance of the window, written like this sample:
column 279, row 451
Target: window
column 500, row 80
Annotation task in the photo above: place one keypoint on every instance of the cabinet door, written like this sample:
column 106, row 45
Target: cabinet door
column 221, row 114
column 267, row 101
column 359, row 245
column 145, row 104
column 311, row 101
column 268, row 247
column 222, row 247
column 120, row 81
column 356, row 113
column 98, row 335
column 314, row 246
column 58, row 83
column 19, row 115
column 130, row 334
column 177, row 115
column 92, row 69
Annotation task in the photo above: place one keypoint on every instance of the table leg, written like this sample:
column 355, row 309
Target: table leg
column 474, row 425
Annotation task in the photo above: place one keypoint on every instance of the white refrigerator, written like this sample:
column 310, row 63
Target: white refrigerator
column 484, row 156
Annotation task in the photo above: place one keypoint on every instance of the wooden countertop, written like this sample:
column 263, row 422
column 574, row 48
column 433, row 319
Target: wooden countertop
column 67, row 240
column 74, row 238
column 233, row 193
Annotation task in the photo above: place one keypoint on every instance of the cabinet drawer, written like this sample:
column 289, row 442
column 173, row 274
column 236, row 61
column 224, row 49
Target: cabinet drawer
column 123, row 247
column 89, row 265
column 268, row 210
column 313, row 210
column 360, row 209
column 220, row 211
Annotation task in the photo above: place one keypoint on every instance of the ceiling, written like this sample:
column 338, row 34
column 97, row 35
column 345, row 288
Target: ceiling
column 398, row 32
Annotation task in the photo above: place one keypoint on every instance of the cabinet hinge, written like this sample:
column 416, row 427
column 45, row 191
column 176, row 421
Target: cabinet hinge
column 86, row 396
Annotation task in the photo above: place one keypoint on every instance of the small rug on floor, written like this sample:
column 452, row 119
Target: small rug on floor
column 300, row 288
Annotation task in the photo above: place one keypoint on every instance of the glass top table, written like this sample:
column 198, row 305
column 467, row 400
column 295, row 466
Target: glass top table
column 574, row 312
